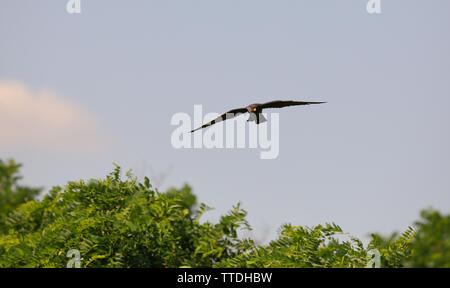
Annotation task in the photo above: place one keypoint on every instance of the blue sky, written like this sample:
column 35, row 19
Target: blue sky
column 102, row 86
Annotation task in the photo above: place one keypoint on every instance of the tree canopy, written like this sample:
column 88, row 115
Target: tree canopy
column 119, row 221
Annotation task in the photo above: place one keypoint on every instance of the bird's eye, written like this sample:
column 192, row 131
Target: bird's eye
column 254, row 109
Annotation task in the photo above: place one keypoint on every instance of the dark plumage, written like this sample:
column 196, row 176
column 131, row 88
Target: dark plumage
column 255, row 111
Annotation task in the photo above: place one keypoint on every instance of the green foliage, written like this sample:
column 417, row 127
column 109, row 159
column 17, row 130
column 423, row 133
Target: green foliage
column 117, row 222
column 12, row 194
column 395, row 251
column 187, row 199
column 320, row 246
column 430, row 245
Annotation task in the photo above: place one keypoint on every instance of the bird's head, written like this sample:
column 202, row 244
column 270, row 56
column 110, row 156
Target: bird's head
column 252, row 108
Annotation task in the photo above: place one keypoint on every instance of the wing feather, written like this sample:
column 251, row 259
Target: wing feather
column 281, row 104
column 225, row 116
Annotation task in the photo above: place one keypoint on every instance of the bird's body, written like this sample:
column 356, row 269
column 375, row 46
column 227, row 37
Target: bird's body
column 255, row 111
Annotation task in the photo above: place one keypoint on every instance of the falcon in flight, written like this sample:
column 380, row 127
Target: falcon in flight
column 255, row 111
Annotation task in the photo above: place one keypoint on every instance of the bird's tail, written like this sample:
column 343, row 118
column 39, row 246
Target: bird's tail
column 258, row 118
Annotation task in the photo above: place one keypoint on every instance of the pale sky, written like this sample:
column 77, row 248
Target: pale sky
column 79, row 92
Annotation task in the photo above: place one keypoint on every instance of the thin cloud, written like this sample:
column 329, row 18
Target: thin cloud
column 43, row 119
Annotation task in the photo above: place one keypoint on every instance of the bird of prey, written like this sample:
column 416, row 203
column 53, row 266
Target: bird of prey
column 255, row 111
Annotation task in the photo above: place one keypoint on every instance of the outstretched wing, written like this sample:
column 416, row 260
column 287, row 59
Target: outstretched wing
column 227, row 115
column 281, row 104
